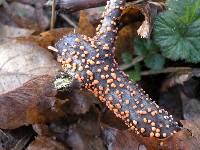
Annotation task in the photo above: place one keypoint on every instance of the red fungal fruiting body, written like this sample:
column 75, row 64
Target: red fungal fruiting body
column 92, row 62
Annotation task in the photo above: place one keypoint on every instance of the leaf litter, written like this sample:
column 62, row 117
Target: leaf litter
column 28, row 98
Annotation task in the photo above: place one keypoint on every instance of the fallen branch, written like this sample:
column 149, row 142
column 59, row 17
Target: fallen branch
column 53, row 14
column 134, row 62
column 91, row 61
column 76, row 5
column 166, row 70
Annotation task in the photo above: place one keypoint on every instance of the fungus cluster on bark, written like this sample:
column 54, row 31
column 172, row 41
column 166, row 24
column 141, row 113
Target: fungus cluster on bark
column 91, row 61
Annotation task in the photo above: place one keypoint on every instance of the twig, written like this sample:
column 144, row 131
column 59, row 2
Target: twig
column 91, row 61
column 2, row 132
column 68, row 20
column 134, row 61
column 76, row 5
column 166, row 70
column 53, row 14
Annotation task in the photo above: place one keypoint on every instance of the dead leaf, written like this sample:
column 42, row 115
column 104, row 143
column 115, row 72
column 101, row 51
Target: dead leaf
column 26, row 16
column 79, row 132
column 41, row 129
column 137, row 19
column 5, row 19
column 15, row 139
column 21, row 61
column 34, row 102
column 123, row 139
column 125, row 40
column 108, row 118
column 47, row 38
column 150, row 10
column 85, row 26
column 79, row 102
column 50, row 37
column 193, row 127
column 179, row 141
column 46, row 143
column 179, row 78
column 191, row 109
column 94, row 15
column 9, row 31
column 118, row 140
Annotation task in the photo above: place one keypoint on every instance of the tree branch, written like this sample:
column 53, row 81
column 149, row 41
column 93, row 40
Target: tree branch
column 134, row 61
column 76, row 5
column 92, row 63
column 166, row 70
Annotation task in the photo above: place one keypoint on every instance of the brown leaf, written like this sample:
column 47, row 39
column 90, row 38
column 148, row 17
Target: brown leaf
column 41, row 129
column 26, row 16
column 47, row 38
column 15, row 139
column 5, row 19
column 94, row 15
column 85, row 26
column 46, row 143
column 78, row 132
column 193, row 127
column 34, row 102
column 191, row 109
column 179, row 78
column 50, row 37
column 9, row 31
column 125, row 40
column 191, row 112
column 108, row 118
column 122, row 139
column 150, row 10
column 117, row 140
column 181, row 140
column 79, row 102
column 21, row 61
column 137, row 20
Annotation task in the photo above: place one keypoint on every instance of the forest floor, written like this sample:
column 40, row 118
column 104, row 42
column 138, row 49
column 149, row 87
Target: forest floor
column 34, row 116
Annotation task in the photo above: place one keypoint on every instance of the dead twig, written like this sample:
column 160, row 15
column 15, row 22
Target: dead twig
column 68, row 20
column 53, row 14
column 166, row 70
column 76, row 5
column 134, row 61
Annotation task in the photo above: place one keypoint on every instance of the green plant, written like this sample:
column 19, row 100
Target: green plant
column 2, row 1
column 135, row 74
column 177, row 30
column 152, row 58
column 127, row 57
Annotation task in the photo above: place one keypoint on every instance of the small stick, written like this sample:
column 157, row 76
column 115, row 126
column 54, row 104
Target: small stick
column 52, row 49
column 134, row 62
column 166, row 70
column 91, row 61
column 53, row 14
column 70, row 6
column 68, row 20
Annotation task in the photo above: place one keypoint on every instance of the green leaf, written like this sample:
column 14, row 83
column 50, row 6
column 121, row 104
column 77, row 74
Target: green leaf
column 177, row 30
column 127, row 57
column 188, row 9
column 144, row 46
column 154, row 61
column 2, row 1
column 135, row 75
